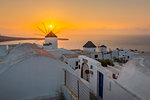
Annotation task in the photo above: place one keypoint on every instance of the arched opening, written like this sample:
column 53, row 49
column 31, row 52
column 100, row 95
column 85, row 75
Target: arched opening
column 85, row 72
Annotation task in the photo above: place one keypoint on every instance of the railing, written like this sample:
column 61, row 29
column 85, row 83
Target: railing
column 76, row 86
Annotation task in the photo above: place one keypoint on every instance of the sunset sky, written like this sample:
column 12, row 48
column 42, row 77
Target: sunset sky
column 21, row 17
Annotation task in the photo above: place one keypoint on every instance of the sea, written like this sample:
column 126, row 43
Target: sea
column 139, row 42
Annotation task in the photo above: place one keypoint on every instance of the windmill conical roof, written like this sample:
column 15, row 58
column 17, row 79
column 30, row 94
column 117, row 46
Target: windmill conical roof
column 50, row 34
column 89, row 44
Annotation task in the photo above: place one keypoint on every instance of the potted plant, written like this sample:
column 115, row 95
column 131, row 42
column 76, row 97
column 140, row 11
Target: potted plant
column 87, row 71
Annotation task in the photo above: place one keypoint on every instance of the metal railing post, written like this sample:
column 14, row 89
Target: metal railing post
column 78, row 88
column 65, row 78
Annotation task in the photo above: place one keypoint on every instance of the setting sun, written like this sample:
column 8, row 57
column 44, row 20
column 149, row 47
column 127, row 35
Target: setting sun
column 50, row 26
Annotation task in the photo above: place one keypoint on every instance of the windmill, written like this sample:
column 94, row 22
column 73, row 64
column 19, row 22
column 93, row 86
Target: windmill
column 50, row 37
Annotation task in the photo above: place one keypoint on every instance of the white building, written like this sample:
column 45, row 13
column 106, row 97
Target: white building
column 133, row 82
column 41, row 74
column 96, row 55
column 71, row 60
column 50, row 41
column 115, row 54
column 89, row 46
column 30, row 72
column 88, row 71
column 127, row 54
column 103, row 49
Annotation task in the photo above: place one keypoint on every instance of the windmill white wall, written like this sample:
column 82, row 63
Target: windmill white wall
column 89, row 49
column 89, row 46
column 52, row 41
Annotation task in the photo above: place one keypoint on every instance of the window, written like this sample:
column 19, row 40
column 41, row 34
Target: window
column 76, row 63
column 91, row 67
column 79, row 66
column 114, row 76
column 76, row 68
column 96, row 56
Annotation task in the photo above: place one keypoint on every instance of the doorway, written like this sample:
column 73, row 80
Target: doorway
column 101, row 76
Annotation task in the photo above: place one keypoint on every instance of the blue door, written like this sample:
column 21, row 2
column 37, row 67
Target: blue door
column 101, row 85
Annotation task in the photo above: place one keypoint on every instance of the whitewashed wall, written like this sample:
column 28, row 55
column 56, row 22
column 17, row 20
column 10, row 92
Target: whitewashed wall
column 89, row 49
column 47, row 48
column 72, row 62
column 114, row 91
column 103, row 49
column 52, row 40
column 107, row 56
column 115, row 54
column 93, row 78
column 128, row 55
column 96, row 53
column 111, row 89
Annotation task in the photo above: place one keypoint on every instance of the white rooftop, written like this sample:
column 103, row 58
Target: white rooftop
column 59, row 52
column 28, row 72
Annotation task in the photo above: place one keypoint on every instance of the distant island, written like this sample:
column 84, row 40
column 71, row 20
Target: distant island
column 7, row 38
